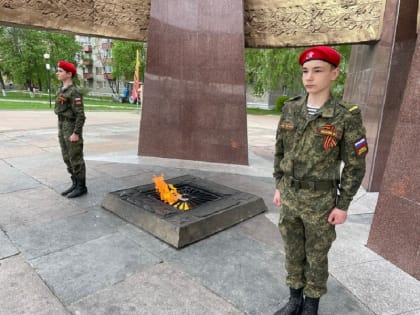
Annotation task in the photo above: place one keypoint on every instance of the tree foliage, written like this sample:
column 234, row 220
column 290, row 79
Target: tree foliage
column 124, row 59
column 278, row 69
column 22, row 54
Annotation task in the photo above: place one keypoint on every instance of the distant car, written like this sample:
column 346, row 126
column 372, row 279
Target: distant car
column 8, row 85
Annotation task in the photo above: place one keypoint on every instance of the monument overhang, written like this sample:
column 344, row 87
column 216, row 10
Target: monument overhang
column 267, row 23
column 272, row 23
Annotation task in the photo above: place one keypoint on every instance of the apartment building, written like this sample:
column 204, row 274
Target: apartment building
column 94, row 64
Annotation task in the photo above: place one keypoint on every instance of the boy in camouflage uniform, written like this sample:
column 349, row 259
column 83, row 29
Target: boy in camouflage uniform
column 71, row 118
column 315, row 136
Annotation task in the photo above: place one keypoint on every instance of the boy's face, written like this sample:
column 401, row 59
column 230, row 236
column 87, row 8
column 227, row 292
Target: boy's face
column 318, row 75
column 63, row 75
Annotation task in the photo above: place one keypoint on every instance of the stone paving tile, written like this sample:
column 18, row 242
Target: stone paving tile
column 81, row 270
column 12, row 149
column 23, row 292
column 93, row 149
column 363, row 202
column 342, row 251
column 158, row 290
column 36, row 161
column 249, row 274
column 414, row 312
column 242, row 270
column 124, row 170
column 362, row 281
column 42, row 239
column 258, row 228
column 56, row 176
column 24, row 120
column 339, row 301
column 40, row 138
column 34, row 206
column 384, row 287
column 145, row 240
column 263, row 230
column 7, row 249
column 13, row 179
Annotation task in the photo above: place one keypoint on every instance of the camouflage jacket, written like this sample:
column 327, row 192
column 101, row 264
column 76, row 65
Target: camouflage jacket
column 69, row 106
column 313, row 148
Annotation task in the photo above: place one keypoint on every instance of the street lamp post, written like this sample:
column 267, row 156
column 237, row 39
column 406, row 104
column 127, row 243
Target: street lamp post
column 48, row 67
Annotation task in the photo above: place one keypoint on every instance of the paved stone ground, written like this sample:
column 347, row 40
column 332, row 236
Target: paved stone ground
column 62, row 256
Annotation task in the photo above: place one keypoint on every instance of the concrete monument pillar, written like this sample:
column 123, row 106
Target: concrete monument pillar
column 194, row 98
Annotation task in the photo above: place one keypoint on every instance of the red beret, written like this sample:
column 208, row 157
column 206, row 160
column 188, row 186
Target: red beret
column 320, row 53
column 67, row 66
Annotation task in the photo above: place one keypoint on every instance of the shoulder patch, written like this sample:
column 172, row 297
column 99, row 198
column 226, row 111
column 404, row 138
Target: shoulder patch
column 294, row 98
column 351, row 107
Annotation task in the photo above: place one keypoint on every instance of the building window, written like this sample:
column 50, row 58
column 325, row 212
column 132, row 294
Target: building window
column 108, row 69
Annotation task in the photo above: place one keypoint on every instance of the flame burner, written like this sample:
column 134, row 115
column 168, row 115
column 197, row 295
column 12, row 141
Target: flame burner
column 192, row 196
column 212, row 208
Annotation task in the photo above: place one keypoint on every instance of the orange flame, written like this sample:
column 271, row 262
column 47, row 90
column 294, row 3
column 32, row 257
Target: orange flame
column 168, row 192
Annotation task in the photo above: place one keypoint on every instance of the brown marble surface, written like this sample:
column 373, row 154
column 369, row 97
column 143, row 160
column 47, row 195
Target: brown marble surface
column 395, row 231
column 194, row 98
column 376, row 81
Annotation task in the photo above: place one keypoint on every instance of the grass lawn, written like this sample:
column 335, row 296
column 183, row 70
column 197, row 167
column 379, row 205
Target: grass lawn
column 18, row 100
column 258, row 111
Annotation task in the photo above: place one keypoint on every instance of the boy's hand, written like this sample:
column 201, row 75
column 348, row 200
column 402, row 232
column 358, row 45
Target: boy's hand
column 277, row 198
column 74, row 137
column 337, row 216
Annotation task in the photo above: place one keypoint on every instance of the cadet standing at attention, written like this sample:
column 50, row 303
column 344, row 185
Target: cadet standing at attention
column 316, row 134
column 71, row 118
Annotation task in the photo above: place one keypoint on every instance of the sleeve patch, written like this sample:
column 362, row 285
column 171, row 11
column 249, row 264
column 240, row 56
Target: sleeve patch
column 353, row 108
column 78, row 101
column 361, row 147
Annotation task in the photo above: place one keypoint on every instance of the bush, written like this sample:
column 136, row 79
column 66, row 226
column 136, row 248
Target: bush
column 280, row 102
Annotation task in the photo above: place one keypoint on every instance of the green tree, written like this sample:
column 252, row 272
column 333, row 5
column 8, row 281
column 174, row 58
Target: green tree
column 278, row 69
column 22, row 54
column 272, row 69
column 124, row 59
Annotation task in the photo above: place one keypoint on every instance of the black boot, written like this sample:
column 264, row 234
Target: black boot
column 294, row 306
column 71, row 188
column 310, row 306
column 80, row 189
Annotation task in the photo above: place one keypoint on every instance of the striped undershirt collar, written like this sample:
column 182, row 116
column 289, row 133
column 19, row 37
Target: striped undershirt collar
column 312, row 110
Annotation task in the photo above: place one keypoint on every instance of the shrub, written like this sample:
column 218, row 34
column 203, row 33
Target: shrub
column 280, row 102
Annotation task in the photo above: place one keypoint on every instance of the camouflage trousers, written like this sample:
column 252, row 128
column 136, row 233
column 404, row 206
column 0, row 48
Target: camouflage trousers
column 72, row 152
column 307, row 237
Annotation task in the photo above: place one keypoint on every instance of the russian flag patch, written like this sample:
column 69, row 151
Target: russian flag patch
column 361, row 147
column 78, row 101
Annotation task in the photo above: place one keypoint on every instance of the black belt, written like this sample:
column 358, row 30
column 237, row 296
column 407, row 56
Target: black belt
column 320, row 185
column 63, row 118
